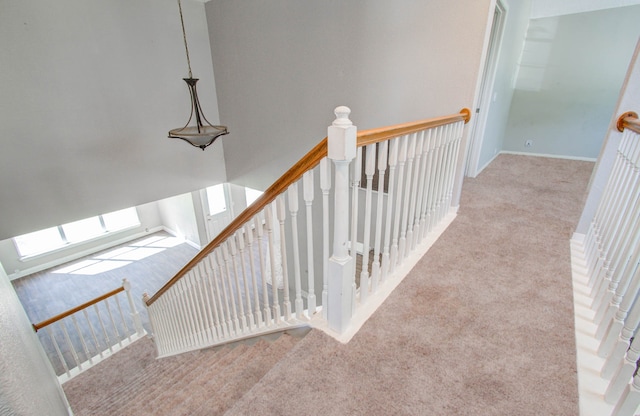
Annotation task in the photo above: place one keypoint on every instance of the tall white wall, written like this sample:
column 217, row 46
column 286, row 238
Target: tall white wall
column 569, row 81
column 282, row 66
column 28, row 385
column 629, row 100
column 88, row 92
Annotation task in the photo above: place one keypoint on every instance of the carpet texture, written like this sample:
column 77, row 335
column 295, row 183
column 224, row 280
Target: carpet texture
column 207, row 382
column 483, row 325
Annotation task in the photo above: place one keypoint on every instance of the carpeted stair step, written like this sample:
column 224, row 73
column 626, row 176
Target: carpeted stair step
column 149, row 383
column 161, row 396
column 193, row 395
column 133, row 382
column 242, row 381
column 198, row 377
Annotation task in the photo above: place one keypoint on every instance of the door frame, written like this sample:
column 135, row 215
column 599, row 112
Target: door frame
column 484, row 96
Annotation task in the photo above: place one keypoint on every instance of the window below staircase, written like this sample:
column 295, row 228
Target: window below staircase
column 61, row 236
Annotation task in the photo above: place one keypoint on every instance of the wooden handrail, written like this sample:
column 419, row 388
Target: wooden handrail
column 628, row 120
column 78, row 308
column 306, row 163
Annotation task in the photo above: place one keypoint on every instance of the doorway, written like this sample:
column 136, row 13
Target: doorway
column 486, row 87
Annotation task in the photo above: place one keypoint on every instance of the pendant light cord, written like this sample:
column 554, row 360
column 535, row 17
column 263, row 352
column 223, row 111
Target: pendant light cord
column 184, row 36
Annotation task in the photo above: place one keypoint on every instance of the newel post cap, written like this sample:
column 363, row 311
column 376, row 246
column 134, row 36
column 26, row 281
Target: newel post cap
column 342, row 136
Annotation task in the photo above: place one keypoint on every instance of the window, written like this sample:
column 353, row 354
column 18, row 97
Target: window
column 216, row 199
column 53, row 238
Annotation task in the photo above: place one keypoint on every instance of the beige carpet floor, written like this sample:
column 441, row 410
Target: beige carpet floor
column 483, row 325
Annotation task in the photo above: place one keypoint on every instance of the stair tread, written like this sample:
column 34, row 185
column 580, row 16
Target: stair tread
column 242, row 381
column 194, row 397
column 203, row 382
column 165, row 388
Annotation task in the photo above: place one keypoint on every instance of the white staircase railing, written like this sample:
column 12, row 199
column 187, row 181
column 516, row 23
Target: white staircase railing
column 272, row 269
column 610, row 257
column 81, row 337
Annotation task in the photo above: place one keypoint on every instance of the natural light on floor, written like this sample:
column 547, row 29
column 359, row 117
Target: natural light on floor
column 121, row 256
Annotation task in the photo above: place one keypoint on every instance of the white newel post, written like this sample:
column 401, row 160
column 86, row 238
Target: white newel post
column 341, row 150
column 137, row 322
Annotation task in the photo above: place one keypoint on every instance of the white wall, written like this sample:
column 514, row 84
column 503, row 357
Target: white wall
column 629, row 100
column 28, row 385
column 569, row 81
column 179, row 216
column 282, row 67
column 89, row 90
column 517, row 20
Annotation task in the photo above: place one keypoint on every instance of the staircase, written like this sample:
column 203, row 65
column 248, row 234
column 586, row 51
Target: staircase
column 206, row 382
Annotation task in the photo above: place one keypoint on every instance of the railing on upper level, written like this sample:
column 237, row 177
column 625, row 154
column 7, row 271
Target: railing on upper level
column 82, row 336
column 611, row 255
column 272, row 267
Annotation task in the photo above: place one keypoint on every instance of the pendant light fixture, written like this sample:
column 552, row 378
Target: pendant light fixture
column 202, row 133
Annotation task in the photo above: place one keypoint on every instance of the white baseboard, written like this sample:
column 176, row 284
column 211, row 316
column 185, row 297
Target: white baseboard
column 584, row 159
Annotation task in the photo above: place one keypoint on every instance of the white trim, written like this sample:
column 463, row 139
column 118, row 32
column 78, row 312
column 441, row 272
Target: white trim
column 487, row 164
column 177, row 235
column 364, row 312
column 584, row 159
column 591, row 387
column 82, row 253
column 485, row 83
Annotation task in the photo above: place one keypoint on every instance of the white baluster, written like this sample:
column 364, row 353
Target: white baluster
column 416, row 193
column 355, row 199
column 82, row 340
column 624, row 373
column 382, row 167
column 308, row 190
column 411, row 153
column 72, row 349
column 625, row 278
column 96, row 343
column 266, row 310
column 125, row 327
column 429, row 145
column 223, row 258
column 113, row 322
column 206, row 303
column 245, row 278
column 254, row 278
column 215, row 278
column 630, row 400
column 193, row 309
column 238, row 282
column 325, row 186
column 208, row 278
column 622, row 331
column 402, row 158
column 58, row 352
column 282, row 215
column 104, row 330
column 292, row 194
column 435, row 172
column 393, row 160
column 274, row 284
column 370, row 170
column 341, row 150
